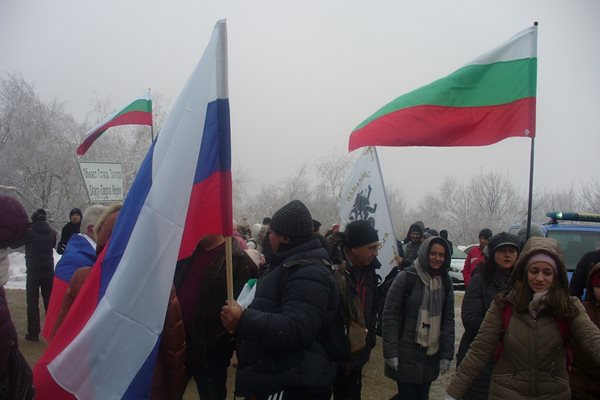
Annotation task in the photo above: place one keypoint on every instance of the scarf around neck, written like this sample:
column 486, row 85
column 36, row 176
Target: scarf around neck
column 429, row 319
column 537, row 304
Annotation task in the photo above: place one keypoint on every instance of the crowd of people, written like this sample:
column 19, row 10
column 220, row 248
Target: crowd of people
column 313, row 305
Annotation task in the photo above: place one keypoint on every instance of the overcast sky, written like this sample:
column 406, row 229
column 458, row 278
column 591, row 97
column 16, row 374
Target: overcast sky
column 303, row 74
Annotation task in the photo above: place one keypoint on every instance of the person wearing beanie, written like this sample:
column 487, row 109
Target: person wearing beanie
column 39, row 242
column 580, row 275
column 281, row 334
column 80, row 252
column 476, row 255
column 412, row 243
column 355, row 259
column 487, row 280
column 585, row 374
column 536, row 323
column 69, row 229
column 13, row 226
column 418, row 322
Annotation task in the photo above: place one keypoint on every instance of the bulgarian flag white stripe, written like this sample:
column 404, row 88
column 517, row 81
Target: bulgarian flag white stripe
column 138, row 112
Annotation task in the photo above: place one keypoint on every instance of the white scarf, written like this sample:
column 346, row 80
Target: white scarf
column 429, row 319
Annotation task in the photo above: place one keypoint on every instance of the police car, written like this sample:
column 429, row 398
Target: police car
column 577, row 234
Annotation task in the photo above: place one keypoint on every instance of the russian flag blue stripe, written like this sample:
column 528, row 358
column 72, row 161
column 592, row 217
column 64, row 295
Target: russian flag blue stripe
column 128, row 216
column 215, row 152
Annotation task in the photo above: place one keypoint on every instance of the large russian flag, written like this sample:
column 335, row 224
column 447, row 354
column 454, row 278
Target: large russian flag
column 80, row 252
column 106, row 347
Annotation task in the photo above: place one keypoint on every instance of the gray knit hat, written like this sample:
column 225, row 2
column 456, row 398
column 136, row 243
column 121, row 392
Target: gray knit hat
column 503, row 239
column 293, row 220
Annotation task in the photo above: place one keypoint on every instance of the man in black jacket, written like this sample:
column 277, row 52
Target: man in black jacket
column 355, row 256
column 69, row 229
column 39, row 242
column 282, row 350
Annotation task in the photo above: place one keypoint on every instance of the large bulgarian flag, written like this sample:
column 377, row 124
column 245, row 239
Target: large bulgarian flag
column 138, row 112
column 488, row 100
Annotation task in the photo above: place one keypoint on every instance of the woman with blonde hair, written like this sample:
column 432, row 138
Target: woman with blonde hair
column 528, row 329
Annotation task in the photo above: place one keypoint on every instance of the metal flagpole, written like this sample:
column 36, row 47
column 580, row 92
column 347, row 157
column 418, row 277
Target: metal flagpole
column 151, row 111
column 530, row 200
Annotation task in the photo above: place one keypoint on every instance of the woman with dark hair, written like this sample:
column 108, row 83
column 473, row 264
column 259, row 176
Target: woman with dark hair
column 418, row 321
column 529, row 327
column 488, row 279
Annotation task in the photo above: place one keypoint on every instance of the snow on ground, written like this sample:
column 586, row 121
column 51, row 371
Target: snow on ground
column 17, row 270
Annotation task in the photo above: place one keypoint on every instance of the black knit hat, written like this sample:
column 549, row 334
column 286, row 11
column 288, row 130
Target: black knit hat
column 292, row 220
column 486, row 233
column 360, row 233
column 503, row 239
column 76, row 211
column 39, row 215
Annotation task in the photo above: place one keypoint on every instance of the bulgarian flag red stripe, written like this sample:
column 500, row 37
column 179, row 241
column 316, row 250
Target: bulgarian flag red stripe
column 484, row 102
column 138, row 112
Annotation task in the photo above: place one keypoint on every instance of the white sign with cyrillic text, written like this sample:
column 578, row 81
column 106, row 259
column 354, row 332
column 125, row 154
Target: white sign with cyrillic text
column 103, row 181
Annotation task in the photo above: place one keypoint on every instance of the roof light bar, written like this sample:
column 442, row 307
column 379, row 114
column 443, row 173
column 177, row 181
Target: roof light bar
column 573, row 216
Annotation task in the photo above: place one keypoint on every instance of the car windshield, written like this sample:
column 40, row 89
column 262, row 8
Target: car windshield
column 575, row 244
column 457, row 253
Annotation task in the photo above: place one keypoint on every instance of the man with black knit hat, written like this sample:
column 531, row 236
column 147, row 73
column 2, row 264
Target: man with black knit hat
column 281, row 333
column 69, row 229
column 355, row 259
column 39, row 241
column 476, row 255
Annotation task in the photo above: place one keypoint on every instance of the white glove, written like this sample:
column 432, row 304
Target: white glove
column 444, row 366
column 392, row 363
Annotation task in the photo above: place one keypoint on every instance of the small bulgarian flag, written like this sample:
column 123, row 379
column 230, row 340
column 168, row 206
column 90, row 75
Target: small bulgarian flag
column 488, row 100
column 138, row 112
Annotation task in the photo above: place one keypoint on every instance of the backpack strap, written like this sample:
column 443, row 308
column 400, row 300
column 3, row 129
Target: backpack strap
column 411, row 280
column 506, row 316
column 563, row 328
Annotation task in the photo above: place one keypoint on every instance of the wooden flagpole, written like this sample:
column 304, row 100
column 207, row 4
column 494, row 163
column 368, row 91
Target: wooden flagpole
column 229, row 269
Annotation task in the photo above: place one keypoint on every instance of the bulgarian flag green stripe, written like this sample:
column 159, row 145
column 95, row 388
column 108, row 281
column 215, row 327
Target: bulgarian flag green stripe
column 486, row 101
column 138, row 112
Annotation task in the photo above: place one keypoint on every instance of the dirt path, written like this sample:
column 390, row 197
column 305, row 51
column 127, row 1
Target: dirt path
column 375, row 385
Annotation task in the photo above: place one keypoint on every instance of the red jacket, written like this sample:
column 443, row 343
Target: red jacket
column 473, row 259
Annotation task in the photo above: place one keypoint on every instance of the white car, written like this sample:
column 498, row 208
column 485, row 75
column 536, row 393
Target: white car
column 456, row 267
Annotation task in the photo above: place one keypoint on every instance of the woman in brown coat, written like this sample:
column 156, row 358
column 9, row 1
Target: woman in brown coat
column 527, row 321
